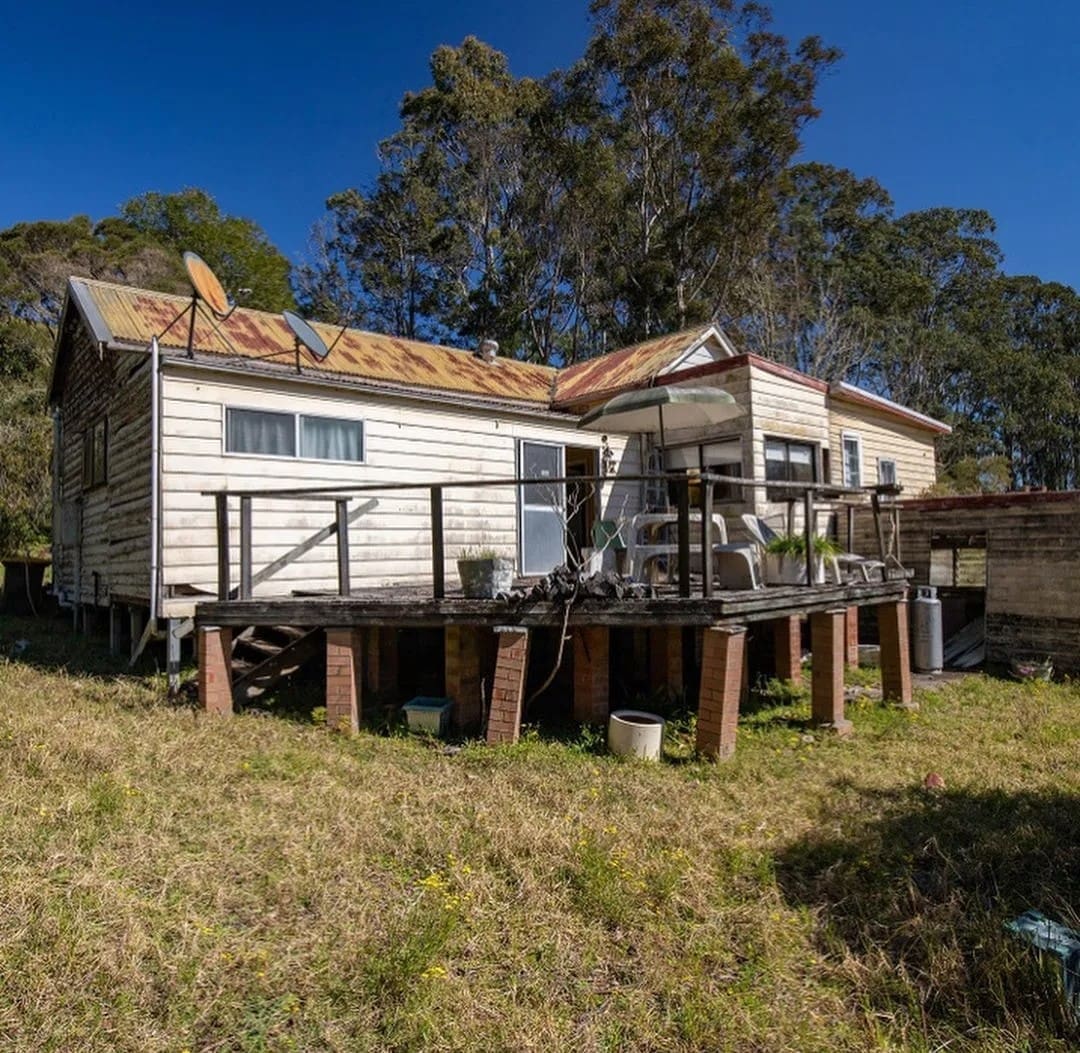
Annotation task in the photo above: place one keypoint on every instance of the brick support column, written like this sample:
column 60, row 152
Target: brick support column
column 344, row 678
column 592, row 657
column 828, row 638
column 787, row 648
column 853, row 637
column 723, row 656
column 215, row 669
column 665, row 659
column 381, row 662
column 462, row 653
column 504, row 721
column 895, row 654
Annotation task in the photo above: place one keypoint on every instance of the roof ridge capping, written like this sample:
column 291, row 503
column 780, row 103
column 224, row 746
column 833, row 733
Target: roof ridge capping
column 842, row 389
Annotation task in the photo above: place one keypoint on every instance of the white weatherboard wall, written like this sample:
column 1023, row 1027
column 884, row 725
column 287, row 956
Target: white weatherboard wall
column 405, row 441
column 880, row 436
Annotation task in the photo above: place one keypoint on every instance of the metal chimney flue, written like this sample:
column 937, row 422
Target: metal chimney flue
column 488, row 350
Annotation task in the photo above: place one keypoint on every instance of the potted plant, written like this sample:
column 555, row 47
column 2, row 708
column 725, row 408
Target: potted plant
column 484, row 573
column 785, row 559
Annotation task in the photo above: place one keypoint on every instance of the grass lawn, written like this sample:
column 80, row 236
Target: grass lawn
column 171, row 882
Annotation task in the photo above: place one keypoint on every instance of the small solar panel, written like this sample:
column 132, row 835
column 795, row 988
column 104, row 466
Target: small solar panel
column 206, row 284
column 306, row 335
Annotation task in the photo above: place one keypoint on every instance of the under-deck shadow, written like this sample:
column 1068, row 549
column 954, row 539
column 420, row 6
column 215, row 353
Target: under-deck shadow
column 916, row 886
column 49, row 642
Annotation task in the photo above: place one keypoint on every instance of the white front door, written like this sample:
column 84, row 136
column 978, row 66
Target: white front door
column 543, row 507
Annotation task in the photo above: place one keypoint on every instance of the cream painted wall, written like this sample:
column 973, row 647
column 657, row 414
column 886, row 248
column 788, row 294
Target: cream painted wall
column 406, row 440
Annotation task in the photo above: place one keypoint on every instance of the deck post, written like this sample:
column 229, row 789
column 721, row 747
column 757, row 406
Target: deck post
column 116, row 630
column 462, row 658
column 828, row 634
column 808, row 527
column 666, row 659
column 172, row 655
column 875, row 504
column 245, row 548
column 344, row 677
column 381, row 661
column 706, row 538
column 214, row 645
column 853, row 637
column 507, row 693
column 592, row 658
column 136, row 625
column 722, row 659
column 342, row 522
column 221, row 502
column 787, row 648
column 438, row 555
column 684, row 536
column 895, row 654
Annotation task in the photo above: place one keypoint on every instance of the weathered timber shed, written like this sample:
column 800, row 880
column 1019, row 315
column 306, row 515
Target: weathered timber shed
column 1012, row 560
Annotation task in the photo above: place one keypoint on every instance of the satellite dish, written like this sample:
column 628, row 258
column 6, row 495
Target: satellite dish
column 206, row 285
column 306, row 336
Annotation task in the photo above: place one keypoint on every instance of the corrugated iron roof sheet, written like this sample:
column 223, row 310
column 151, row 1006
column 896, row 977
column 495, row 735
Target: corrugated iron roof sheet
column 134, row 316
column 630, row 367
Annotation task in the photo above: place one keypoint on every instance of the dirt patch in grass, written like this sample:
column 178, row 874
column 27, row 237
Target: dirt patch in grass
column 172, row 882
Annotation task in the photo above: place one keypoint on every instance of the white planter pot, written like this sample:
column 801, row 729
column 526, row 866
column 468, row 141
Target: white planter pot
column 791, row 570
column 632, row 733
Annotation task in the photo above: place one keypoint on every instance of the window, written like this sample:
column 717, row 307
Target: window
column 256, row 431
column 329, row 439
column 958, row 561
column 724, row 458
column 272, row 434
column 95, row 454
column 719, row 458
column 852, row 460
column 886, row 471
column 789, row 462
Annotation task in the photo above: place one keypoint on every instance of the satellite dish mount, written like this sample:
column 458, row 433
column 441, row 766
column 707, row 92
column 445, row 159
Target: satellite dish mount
column 306, row 337
column 205, row 288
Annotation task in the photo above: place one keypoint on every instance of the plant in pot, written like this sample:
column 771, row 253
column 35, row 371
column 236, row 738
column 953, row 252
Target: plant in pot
column 785, row 559
column 484, row 573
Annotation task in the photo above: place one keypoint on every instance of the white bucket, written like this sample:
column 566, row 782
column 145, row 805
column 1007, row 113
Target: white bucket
column 632, row 733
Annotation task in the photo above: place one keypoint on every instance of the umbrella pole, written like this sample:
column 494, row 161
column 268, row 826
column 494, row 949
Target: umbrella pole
column 663, row 442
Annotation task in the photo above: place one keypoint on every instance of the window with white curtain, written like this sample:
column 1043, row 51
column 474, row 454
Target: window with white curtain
column 331, row 439
column 272, row 434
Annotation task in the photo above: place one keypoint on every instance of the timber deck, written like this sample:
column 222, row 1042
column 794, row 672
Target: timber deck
column 409, row 606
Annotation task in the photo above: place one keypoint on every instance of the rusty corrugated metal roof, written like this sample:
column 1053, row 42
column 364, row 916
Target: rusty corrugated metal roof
column 630, row 367
column 134, row 316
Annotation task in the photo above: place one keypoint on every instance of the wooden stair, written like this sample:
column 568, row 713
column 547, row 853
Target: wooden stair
column 264, row 655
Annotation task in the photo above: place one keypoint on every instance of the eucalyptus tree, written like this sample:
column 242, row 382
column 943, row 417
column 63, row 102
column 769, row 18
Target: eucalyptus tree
column 804, row 296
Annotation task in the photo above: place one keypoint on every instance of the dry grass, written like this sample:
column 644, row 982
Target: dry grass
column 169, row 882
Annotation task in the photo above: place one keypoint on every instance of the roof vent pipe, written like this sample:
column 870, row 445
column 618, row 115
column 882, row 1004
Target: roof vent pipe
column 487, row 350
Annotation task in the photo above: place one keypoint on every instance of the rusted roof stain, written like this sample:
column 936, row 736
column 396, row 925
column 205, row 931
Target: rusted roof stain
column 631, row 367
column 134, row 316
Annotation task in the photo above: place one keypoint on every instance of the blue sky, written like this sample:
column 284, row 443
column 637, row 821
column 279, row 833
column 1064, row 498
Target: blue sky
column 272, row 107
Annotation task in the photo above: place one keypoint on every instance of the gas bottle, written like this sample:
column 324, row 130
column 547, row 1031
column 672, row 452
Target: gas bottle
column 926, row 642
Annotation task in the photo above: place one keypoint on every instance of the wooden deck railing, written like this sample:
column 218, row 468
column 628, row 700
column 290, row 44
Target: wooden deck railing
column 341, row 496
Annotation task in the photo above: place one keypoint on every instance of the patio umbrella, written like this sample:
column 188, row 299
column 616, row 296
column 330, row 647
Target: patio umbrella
column 651, row 409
